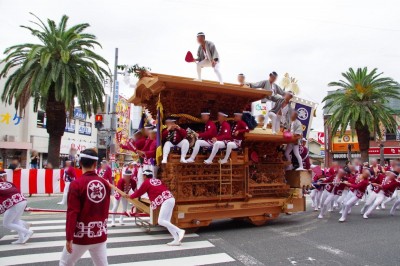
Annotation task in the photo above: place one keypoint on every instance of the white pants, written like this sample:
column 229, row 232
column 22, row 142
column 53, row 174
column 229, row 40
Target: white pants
column 139, row 177
column 327, row 203
column 373, row 201
column 345, row 199
column 115, row 208
column 164, row 217
column 341, row 199
column 229, row 147
column 98, row 252
column 184, row 145
column 295, row 148
column 395, row 205
column 207, row 63
column 350, row 201
column 393, row 197
column 65, row 193
column 275, row 121
column 12, row 219
column 316, row 197
column 216, row 147
column 199, row 143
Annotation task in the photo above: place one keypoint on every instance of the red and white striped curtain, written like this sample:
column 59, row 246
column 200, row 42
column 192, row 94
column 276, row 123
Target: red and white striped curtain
column 39, row 181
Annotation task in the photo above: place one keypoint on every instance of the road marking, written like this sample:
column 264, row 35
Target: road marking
column 61, row 243
column 63, row 221
column 329, row 249
column 236, row 253
column 120, row 251
column 57, row 227
column 187, row 261
column 312, row 244
column 109, row 231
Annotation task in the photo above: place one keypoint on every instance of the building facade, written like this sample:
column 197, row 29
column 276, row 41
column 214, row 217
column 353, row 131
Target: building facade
column 336, row 147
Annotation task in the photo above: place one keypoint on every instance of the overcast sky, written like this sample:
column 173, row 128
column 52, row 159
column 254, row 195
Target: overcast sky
column 312, row 40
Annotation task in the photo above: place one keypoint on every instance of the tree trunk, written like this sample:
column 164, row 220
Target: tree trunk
column 55, row 125
column 363, row 135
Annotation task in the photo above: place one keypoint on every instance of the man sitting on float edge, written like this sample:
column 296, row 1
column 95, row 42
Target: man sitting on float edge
column 210, row 131
column 223, row 137
column 239, row 128
column 174, row 136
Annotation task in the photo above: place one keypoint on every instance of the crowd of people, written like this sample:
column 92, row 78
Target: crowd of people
column 88, row 202
column 341, row 188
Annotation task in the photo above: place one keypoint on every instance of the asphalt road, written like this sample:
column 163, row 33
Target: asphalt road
column 298, row 239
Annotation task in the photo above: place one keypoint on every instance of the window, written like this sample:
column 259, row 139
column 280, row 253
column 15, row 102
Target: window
column 41, row 119
column 70, row 125
column 85, row 128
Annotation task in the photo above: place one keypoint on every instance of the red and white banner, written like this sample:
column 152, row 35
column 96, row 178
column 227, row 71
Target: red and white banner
column 386, row 151
column 38, row 181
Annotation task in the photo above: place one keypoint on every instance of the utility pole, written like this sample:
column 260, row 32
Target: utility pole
column 114, row 101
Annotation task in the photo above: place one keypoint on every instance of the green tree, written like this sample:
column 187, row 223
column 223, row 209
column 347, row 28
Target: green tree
column 361, row 103
column 59, row 71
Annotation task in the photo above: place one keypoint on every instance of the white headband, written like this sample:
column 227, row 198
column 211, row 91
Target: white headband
column 205, row 113
column 83, row 155
column 223, row 114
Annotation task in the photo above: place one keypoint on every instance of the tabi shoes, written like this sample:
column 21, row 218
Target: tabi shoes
column 18, row 242
column 190, row 160
column 208, row 162
column 181, row 234
column 223, row 161
column 174, row 243
column 26, row 237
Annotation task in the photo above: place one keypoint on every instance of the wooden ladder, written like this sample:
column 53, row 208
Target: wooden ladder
column 225, row 169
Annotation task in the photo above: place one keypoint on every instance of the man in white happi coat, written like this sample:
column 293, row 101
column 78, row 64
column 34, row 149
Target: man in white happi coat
column 207, row 56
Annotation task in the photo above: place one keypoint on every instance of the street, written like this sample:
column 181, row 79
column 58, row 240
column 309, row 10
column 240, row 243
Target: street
column 298, row 239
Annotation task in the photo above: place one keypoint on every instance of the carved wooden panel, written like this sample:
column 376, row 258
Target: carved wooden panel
column 199, row 182
column 267, row 152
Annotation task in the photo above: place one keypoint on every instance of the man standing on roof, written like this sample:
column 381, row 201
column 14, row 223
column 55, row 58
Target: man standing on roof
column 207, row 56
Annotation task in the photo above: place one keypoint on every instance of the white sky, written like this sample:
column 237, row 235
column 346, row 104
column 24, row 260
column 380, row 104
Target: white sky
column 312, row 40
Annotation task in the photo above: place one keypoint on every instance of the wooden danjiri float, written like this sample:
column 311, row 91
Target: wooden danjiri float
column 252, row 186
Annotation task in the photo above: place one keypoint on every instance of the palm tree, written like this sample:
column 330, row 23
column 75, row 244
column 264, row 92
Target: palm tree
column 57, row 72
column 360, row 102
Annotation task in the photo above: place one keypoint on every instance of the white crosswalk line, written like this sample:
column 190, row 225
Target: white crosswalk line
column 111, row 252
column 56, row 227
column 63, row 221
column 110, row 231
column 61, row 243
column 187, row 261
column 124, row 244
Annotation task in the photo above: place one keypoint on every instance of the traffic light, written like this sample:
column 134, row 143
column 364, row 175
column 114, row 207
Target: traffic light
column 98, row 121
